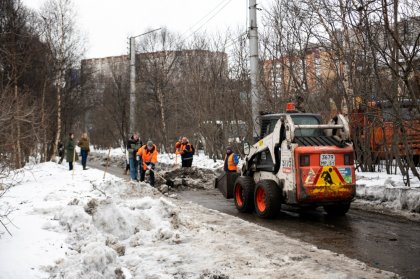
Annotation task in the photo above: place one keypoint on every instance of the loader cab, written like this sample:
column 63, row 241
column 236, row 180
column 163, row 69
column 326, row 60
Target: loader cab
column 307, row 119
column 264, row 160
column 269, row 121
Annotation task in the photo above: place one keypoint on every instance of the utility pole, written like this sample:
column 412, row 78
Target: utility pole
column 253, row 57
column 132, row 84
column 133, row 99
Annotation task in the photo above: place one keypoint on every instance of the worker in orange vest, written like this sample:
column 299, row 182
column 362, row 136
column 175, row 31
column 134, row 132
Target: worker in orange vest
column 148, row 156
column 187, row 152
column 231, row 160
column 178, row 146
column 177, row 149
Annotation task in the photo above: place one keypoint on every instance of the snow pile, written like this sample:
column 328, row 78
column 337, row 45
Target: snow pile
column 101, row 231
column 82, row 226
column 200, row 161
column 186, row 178
column 117, row 158
column 114, row 152
column 388, row 191
column 374, row 190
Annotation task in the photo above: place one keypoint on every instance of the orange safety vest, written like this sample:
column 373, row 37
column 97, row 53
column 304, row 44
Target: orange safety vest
column 148, row 156
column 184, row 146
column 177, row 147
column 231, row 163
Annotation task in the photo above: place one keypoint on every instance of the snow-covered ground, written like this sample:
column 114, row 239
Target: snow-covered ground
column 113, row 152
column 84, row 226
column 381, row 191
column 375, row 191
column 200, row 160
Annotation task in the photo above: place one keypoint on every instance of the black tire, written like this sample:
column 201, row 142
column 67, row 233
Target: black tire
column 243, row 193
column 416, row 160
column 267, row 197
column 337, row 209
column 309, row 207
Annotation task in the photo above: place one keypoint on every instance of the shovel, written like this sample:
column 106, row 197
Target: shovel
column 168, row 182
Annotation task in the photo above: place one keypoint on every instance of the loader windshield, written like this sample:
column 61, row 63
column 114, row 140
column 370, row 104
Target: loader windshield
column 306, row 120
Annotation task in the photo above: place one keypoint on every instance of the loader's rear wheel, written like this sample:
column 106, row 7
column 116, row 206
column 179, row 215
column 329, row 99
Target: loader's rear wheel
column 337, row 209
column 243, row 193
column 267, row 199
column 416, row 160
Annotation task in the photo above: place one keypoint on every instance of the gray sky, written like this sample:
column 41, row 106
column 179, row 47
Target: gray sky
column 108, row 23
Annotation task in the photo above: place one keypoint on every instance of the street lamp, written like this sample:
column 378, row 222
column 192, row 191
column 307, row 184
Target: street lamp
column 133, row 78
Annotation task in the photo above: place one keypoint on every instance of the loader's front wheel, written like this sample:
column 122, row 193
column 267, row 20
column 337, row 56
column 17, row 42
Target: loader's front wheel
column 267, row 199
column 243, row 193
column 337, row 209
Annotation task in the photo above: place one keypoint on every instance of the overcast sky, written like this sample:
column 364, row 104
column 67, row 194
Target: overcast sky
column 108, row 23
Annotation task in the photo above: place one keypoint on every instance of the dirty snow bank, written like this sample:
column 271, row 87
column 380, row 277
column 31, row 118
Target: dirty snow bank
column 383, row 191
column 375, row 191
column 117, row 157
column 200, row 160
column 86, row 227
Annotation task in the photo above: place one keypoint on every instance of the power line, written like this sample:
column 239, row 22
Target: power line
column 192, row 27
column 217, row 12
column 233, row 41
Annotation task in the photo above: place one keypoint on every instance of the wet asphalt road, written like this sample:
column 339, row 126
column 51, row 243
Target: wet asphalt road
column 381, row 241
column 386, row 242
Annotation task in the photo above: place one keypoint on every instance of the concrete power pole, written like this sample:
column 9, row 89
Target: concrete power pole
column 253, row 57
column 133, row 99
column 132, row 84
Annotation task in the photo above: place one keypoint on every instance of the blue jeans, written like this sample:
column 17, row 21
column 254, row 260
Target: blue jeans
column 84, row 157
column 133, row 168
column 83, row 153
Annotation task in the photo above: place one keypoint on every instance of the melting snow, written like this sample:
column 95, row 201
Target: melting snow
column 82, row 226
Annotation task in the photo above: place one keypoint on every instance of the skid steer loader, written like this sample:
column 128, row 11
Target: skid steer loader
column 299, row 162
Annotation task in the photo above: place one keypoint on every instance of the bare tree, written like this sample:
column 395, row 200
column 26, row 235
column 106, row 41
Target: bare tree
column 20, row 52
column 159, row 67
column 65, row 45
column 368, row 51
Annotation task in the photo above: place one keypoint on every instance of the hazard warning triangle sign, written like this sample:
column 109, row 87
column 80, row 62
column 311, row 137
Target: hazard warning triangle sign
column 328, row 176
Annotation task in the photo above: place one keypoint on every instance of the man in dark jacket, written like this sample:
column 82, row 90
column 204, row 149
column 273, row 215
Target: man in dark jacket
column 133, row 145
column 60, row 149
column 84, row 149
column 187, row 152
column 71, row 155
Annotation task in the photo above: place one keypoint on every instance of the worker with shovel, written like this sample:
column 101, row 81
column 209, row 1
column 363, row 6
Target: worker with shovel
column 148, row 156
column 187, row 152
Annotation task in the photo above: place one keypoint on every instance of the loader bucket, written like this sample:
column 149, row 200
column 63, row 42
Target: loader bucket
column 225, row 183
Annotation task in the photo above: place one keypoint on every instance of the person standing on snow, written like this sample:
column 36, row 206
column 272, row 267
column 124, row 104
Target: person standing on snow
column 84, row 149
column 177, row 149
column 70, row 151
column 178, row 146
column 133, row 145
column 61, row 152
column 148, row 156
column 127, row 162
column 231, row 160
column 187, row 152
